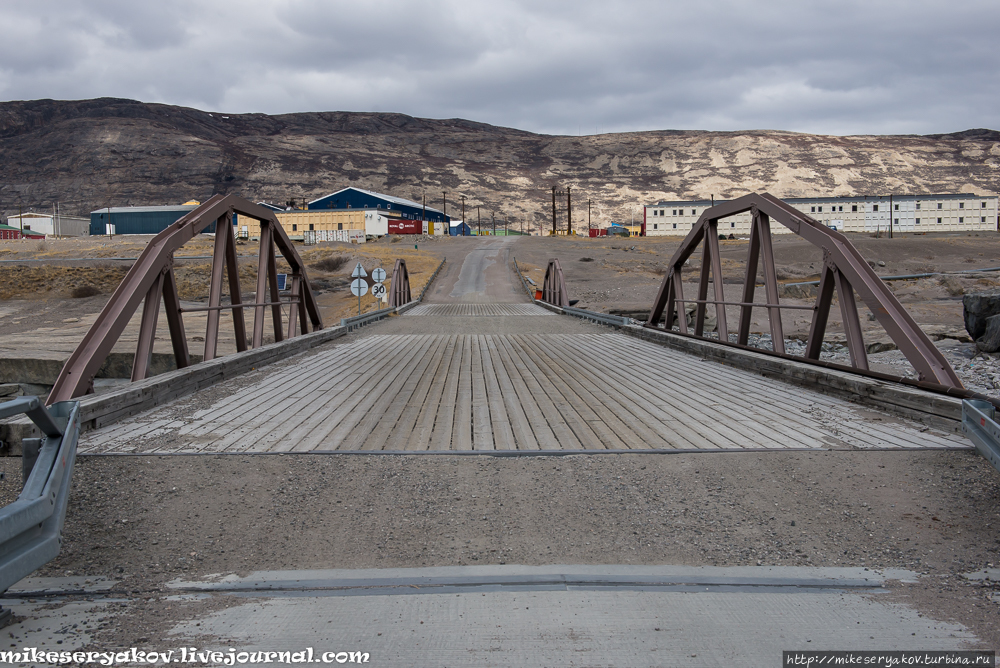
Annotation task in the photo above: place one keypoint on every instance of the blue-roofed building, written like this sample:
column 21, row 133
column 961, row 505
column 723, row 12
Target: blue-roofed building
column 139, row 219
column 394, row 207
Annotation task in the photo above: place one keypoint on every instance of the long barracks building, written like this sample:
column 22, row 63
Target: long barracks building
column 909, row 213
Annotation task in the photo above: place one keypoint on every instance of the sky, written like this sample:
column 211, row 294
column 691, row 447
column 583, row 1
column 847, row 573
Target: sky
column 583, row 67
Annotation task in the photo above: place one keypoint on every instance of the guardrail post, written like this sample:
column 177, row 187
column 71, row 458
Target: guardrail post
column 29, row 454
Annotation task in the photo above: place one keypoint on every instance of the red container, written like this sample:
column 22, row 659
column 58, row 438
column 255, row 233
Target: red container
column 400, row 226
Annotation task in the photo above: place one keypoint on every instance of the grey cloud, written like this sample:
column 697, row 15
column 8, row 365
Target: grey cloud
column 562, row 67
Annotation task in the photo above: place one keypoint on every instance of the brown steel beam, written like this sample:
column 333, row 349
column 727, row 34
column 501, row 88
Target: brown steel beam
column 852, row 324
column 175, row 321
column 712, row 241
column 215, row 294
column 147, row 330
column 266, row 251
column 770, row 282
column 817, row 328
column 235, row 291
column 272, row 284
column 293, row 306
column 749, row 284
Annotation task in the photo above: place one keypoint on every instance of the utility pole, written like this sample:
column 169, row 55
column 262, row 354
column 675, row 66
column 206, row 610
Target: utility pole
column 444, row 198
column 423, row 215
column 588, row 218
column 493, row 217
column 463, row 210
column 553, row 210
column 569, row 214
column 479, row 220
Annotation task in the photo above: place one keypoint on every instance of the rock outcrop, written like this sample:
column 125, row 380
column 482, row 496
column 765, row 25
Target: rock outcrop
column 982, row 319
column 94, row 153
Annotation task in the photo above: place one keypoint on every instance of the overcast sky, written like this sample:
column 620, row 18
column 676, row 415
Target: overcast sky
column 823, row 66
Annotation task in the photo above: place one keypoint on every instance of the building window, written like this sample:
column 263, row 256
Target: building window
column 654, row 226
column 675, row 212
column 918, row 206
column 940, row 205
column 693, row 212
column 812, row 210
column 982, row 219
column 897, row 207
column 961, row 205
column 340, row 226
column 732, row 224
column 918, row 221
column 675, row 226
column 841, row 208
column 310, row 226
column 854, row 208
column 897, row 221
column 984, row 205
column 388, row 206
column 295, row 228
column 961, row 220
column 939, row 221
column 874, row 207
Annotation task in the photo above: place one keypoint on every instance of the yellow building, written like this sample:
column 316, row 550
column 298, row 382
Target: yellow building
column 297, row 222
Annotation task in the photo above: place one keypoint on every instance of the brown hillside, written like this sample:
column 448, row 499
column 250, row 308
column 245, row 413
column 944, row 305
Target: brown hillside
column 92, row 153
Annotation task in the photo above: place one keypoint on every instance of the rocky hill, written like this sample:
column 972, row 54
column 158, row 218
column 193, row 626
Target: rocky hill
column 94, row 153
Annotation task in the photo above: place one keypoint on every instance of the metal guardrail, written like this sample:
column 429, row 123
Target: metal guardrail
column 31, row 526
column 361, row 320
column 524, row 282
column 979, row 424
column 594, row 316
column 431, row 280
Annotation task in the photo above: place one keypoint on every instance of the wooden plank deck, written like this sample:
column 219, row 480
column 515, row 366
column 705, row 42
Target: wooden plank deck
column 598, row 391
column 476, row 310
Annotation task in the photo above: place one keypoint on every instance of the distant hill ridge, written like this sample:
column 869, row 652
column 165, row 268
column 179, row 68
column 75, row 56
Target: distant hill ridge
column 91, row 153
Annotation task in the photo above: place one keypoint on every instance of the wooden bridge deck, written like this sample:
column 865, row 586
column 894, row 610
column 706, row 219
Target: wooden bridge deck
column 529, row 392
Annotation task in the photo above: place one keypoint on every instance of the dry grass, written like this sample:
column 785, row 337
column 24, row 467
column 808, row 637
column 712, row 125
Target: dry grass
column 330, row 264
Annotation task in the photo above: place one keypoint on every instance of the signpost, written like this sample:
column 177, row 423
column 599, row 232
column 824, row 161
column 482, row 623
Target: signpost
column 378, row 289
column 359, row 286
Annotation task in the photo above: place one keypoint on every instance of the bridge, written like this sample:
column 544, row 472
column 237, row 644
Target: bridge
column 480, row 368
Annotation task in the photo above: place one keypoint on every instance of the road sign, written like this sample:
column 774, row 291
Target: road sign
column 359, row 287
column 378, row 291
column 378, row 274
column 359, row 272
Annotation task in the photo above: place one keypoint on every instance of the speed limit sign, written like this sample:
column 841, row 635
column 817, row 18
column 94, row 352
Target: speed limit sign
column 378, row 291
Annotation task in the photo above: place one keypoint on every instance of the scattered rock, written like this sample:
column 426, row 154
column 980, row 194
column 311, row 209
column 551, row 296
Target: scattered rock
column 989, row 342
column 977, row 308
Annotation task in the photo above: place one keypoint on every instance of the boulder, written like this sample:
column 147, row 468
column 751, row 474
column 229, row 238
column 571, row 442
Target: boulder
column 989, row 342
column 978, row 307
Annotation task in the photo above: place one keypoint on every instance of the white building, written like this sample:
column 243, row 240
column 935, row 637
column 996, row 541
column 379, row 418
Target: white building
column 51, row 225
column 910, row 213
column 376, row 225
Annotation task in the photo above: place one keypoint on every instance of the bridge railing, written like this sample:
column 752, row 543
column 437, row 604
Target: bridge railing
column 31, row 526
column 980, row 426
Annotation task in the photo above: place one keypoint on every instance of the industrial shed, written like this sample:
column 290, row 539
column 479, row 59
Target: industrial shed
column 139, row 219
column 395, row 207
column 51, row 225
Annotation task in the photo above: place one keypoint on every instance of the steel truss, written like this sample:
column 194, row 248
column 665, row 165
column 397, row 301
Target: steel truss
column 399, row 285
column 151, row 281
column 554, row 286
column 844, row 270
